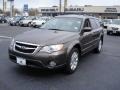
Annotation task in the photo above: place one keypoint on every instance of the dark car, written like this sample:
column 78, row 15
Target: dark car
column 3, row 19
column 59, row 43
column 16, row 20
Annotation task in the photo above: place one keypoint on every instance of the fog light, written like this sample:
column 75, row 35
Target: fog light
column 52, row 64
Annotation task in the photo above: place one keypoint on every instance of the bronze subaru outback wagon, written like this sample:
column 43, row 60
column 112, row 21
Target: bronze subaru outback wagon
column 58, row 43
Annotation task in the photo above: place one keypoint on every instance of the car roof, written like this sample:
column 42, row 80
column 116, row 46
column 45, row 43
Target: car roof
column 75, row 16
column 115, row 19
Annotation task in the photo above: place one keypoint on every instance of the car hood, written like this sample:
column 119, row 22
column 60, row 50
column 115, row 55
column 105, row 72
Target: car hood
column 38, row 21
column 114, row 25
column 26, row 21
column 46, row 37
column 35, row 21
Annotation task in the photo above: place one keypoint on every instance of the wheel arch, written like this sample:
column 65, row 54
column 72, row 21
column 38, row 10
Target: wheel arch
column 75, row 44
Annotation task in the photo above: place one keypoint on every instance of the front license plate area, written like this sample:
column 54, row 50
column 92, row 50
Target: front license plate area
column 114, row 31
column 21, row 61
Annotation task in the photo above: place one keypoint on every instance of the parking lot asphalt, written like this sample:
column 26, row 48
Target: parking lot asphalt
column 95, row 71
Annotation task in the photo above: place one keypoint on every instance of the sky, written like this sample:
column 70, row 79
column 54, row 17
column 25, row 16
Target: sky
column 45, row 3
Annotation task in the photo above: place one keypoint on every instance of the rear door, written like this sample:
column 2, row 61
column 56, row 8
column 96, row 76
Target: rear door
column 96, row 29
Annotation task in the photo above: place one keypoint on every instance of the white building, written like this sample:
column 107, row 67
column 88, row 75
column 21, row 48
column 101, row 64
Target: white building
column 98, row 11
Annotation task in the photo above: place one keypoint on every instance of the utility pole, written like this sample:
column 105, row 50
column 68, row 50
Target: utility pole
column 60, row 6
column 11, row 7
column 3, row 6
column 65, row 5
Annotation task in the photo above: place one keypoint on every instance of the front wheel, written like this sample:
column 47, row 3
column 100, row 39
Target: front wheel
column 108, row 33
column 72, row 62
column 99, row 47
column 29, row 24
column 3, row 21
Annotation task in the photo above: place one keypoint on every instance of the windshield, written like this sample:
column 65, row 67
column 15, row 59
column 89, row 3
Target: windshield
column 64, row 24
column 17, row 18
column 116, row 22
column 107, row 21
column 30, row 18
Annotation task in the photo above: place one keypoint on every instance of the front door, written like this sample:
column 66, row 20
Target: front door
column 86, row 38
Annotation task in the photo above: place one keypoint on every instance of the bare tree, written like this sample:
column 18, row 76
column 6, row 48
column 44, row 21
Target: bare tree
column 7, row 13
column 16, row 11
column 33, row 12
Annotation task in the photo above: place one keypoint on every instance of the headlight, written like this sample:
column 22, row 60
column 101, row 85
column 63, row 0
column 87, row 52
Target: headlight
column 109, row 28
column 52, row 48
column 12, row 43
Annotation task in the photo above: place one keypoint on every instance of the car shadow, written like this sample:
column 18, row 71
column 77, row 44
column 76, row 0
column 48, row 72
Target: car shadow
column 37, row 72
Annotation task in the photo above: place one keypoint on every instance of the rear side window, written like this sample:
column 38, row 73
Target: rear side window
column 87, row 23
column 95, row 23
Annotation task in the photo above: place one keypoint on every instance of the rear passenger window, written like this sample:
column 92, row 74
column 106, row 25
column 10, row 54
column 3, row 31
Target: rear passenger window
column 94, row 23
column 87, row 23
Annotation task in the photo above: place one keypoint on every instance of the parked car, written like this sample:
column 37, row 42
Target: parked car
column 27, row 21
column 3, row 19
column 59, row 43
column 46, row 18
column 106, row 22
column 9, row 19
column 38, row 22
column 114, row 27
column 16, row 20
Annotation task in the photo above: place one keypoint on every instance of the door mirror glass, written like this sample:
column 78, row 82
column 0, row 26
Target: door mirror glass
column 87, row 29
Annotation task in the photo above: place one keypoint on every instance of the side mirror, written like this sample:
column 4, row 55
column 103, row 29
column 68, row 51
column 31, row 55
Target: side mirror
column 87, row 29
column 102, row 25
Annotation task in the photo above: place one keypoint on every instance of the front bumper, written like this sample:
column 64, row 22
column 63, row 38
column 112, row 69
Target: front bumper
column 114, row 31
column 41, row 60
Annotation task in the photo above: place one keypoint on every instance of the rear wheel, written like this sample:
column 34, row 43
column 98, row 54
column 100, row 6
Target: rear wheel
column 99, row 47
column 108, row 33
column 72, row 62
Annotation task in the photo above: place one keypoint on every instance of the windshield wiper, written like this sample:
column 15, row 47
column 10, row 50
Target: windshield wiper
column 55, row 29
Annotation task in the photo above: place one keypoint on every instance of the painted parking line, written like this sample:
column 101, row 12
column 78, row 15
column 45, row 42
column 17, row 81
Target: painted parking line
column 3, row 24
column 7, row 37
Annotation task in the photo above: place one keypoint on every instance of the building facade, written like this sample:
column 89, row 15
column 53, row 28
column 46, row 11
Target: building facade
column 104, row 12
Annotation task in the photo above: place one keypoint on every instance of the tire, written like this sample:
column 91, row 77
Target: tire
column 72, row 61
column 21, row 25
column 17, row 24
column 29, row 24
column 108, row 33
column 3, row 21
column 11, row 25
column 99, row 47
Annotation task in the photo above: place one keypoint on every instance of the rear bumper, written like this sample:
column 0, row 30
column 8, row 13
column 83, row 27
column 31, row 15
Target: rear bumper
column 40, row 60
column 35, row 25
column 23, row 24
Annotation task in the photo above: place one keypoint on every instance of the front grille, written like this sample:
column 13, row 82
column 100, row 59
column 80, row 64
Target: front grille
column 25, row 47
column 115, row 28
